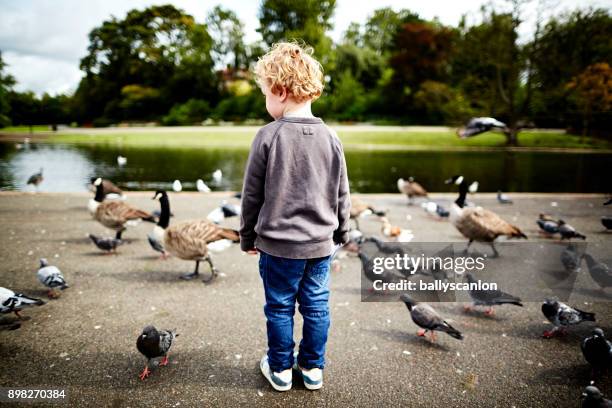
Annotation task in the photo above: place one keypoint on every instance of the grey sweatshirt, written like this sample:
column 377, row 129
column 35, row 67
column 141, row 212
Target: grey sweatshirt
column 295, row 196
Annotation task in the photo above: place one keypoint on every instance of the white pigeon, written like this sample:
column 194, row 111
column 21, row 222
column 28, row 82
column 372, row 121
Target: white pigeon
column 11, row 302
column 473, row 188
column 177, row 186
column 51, row 277
column 217, row 176
column 121, row 160
column 202, row 187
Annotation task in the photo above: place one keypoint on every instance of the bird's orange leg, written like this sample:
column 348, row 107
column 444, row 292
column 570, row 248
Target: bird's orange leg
column 468, row 308
column 549, row 334
column 164, row 361
column 490, row 312
column 145, row 373
column 433, row 336
column 52, row 294
column 421, row 332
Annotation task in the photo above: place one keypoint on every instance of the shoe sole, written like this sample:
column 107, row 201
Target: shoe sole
column 266, row 373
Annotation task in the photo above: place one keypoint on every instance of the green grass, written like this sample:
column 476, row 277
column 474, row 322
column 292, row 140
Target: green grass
column 20, row 129
column 352, row 139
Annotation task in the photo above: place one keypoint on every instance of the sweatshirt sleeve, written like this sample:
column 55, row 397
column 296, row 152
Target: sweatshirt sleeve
column 253, row 192
column 344, row 205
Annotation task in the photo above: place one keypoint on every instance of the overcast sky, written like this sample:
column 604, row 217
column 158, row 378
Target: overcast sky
column 42, row 41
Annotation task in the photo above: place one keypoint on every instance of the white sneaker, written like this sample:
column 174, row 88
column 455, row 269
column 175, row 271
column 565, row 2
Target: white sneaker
column 279, row 381
column 313, row 378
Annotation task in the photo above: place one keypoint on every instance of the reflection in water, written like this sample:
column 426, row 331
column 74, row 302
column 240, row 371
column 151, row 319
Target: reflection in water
column 69, row 167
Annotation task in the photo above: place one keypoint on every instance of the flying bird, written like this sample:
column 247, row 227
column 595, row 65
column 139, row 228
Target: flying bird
column 51, row 277
column 476, row 126
column 153, row 343
column 11, row 302
column 425, row 316
column 106, row 244
column 562, row 316
column 490, row 298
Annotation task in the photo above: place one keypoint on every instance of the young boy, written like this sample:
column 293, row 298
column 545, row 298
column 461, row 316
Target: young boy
column 295, row 207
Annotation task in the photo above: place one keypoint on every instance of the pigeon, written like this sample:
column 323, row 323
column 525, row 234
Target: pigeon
column 560, row 314
column 121, row 160
column 599, row 271
column 571, row 259
column 217, row 176
column 547, row 224
column 473, row 188
column 606, row 221
column 36, row 179
column 11, row 302
column 435, row 209
column 490, row 298
column 202, row 187
column 480, row 125
column 597, row 350
column 568, row 232
column 177, row 186
column 593, row 398
column 386, row 276
column 503, row 198
column 428, row 319
column 51, row 277
column 226, row 210
column 152, row 344
column 106, row 244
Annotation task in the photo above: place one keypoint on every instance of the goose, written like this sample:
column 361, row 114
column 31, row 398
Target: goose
column 51, row 277
column 480, row 125
column 568, row 232
column 156, row 237
column 217, row 176
column 477, row 223
column 360, row 209
column 202, row 187
column 115, row 215
column 108, row 187
column 503, row 198
column 121, row 160
column 188, row 241
column 547, row 225
column 11, row 302
column 411, row 188
column 36, row 179
column 177, row 186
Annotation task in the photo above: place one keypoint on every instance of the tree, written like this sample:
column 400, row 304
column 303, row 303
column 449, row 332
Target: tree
column 382, row 27
column 307, row 20
column 592, row 90
column 6, row 84
column 227, row 32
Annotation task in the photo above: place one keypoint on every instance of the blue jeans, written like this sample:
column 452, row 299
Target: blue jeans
column 285, row 281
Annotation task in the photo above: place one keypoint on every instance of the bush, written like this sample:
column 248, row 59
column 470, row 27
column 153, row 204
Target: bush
column 194, row 111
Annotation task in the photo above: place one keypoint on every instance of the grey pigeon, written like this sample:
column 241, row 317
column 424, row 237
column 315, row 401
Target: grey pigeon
column 424, row 316
column 503, row 198
column 571, row 259
column 386, row 276
column 11, row 302
column 568, row 232
column 153, row 343
column 51, row 277
column 597, row 350
column 490, row 298
column 562, row 315
column 599, row 271
column 106, row 244
column 593, row 398
column 547, row 224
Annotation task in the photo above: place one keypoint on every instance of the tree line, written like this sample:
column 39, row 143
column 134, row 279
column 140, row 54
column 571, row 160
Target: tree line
column 159, row 64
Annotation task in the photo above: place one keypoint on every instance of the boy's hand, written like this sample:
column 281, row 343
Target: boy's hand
column 252, row 251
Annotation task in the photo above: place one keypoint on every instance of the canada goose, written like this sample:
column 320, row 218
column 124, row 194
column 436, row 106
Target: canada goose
column 202, row 187
column 177, row 186
column 361, row 209
column 11, row 302
column 411, row 188
column 108, row 187
column 36, row 179
column 568, row 232
column 121, row 160
column 478, row 224
column 473, row 188
column 188, row 240
column 156, row 237
column 477, row 126
column 115, row 215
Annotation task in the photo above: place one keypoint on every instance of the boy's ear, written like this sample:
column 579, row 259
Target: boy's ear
column 283, row 94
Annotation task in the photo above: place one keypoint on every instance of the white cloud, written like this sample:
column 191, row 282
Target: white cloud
column 44, row 40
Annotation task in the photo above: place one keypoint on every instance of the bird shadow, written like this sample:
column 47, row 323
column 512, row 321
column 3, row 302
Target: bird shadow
column 405, row 337
column 153, row 276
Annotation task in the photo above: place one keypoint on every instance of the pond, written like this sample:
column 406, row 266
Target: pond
column 67, row 168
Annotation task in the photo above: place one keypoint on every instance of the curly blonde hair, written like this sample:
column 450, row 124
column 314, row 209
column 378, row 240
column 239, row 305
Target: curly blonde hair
column 291, row 66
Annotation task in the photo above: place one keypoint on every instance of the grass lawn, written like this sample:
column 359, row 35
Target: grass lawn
column 352, row 139
column 20, row 129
